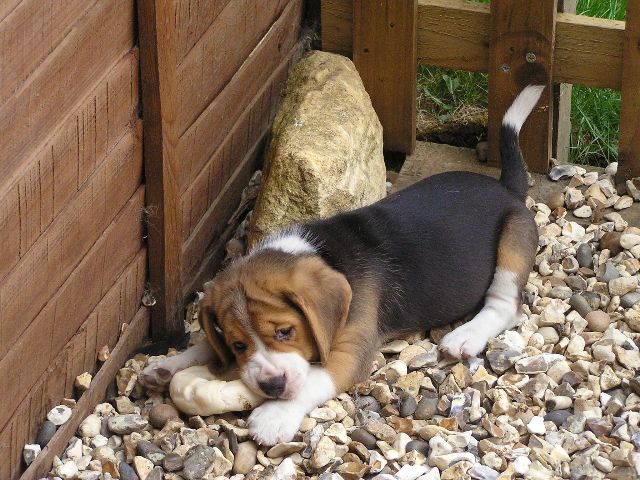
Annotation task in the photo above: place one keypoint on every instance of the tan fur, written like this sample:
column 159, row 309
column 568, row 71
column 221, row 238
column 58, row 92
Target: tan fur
column 515, row 233
column 351, row 355
column 265, row 292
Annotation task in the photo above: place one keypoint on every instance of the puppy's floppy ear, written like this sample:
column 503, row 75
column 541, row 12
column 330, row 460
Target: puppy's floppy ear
column 323, row 295
column 209, row 325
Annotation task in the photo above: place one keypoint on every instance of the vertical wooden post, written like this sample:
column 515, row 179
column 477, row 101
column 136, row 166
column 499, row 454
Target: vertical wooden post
column 562, row 105
column 521, row 53
column 385, row 53
column 629, row 148
column 158, row 75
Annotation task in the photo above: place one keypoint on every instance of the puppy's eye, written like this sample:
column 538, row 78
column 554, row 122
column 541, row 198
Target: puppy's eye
column 284, row 333
column 239, row 347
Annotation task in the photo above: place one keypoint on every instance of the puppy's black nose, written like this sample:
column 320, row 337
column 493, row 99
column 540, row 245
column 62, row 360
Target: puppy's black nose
column 274, row 386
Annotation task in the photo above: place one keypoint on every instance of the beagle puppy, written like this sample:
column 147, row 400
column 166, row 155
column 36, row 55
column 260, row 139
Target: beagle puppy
column 303, row 313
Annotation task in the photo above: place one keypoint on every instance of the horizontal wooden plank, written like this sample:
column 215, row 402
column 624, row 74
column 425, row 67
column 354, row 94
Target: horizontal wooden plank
column 193, row 18
column 214, row 221
column 81, row 143
column 53, row 257
column 203, row 138
column 31, row 32
column 206, row 187
column 57, row 380
column 131, row 338
column 214, row 60
column 588, row 51
column 29, row 116
column 468, row 48
column 65, row 313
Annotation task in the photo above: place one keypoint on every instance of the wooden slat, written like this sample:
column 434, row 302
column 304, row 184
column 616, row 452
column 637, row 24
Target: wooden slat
column 205, row 188
column 7, row 6
column 384, row 52
column 629, row 148
column 193, row 18
column 103, row 35
column 522, row 54
column 80, row 143
column 214, row 222
column 158, row 67
column 588, row 50
column 336, row 22
column 48, row 263
column 561, row 131
column 30, row 33
column 130, row 339
column 204, row 137
column 213, row 61
column 71, row 306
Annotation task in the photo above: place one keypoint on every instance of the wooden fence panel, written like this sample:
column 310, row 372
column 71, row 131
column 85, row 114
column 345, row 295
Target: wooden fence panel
column 521, row 53
column 629, row 148
column 384, row 52
column 158, row 66
column 588, row 50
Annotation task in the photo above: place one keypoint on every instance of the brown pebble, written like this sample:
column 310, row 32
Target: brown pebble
column 611, row 242
column 598, row 320
column 555, row 200
column 482, row 150
column 159, row 414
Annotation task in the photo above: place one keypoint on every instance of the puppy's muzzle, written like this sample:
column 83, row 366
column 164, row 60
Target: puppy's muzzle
column 274, row 387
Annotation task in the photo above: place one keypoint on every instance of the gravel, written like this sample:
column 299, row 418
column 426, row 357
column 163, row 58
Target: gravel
column 557, row 397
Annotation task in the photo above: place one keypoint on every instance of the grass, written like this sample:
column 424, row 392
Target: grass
column 595, row 112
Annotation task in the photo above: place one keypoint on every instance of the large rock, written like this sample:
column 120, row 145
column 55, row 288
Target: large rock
column 325, row 154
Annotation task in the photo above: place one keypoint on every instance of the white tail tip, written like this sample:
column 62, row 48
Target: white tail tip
column 522, row 106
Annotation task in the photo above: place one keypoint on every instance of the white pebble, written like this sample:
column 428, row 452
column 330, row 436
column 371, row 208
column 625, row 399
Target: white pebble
column 536, row 426
column 59, row 415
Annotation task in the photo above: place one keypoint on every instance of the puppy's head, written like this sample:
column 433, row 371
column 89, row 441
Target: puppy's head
column 275, row 313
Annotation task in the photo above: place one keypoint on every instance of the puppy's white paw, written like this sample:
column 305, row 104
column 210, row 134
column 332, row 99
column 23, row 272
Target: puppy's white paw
column 463, row 342
column 157, row 375
column 275, row 421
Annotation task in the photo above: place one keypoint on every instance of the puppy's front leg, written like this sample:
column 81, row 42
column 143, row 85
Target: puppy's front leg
column 158, row 374
column 348, row 363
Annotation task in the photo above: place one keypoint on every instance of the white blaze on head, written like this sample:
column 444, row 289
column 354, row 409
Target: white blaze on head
column 266, row 364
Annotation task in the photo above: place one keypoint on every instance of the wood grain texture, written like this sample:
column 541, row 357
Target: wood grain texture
column 588, row 50
column 31, row 32
column 72, row 304
column 57, row 379
column 159, row 99
column 205, row 136
column 561, row 131
column 213, row 61
column 193, row 18
column 384, row 52
column 57, row 170
column 521, row 54
column 336, row 23
column 48, row 263
column 197, row 262
column 203, row 191
column 29, row 115
column 129, row 340
column 213, row 223
column 629, row 147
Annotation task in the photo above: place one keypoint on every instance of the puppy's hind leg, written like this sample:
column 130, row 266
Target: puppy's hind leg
column 516, row 254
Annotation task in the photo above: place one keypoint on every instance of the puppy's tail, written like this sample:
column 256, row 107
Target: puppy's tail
column 514, row 170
